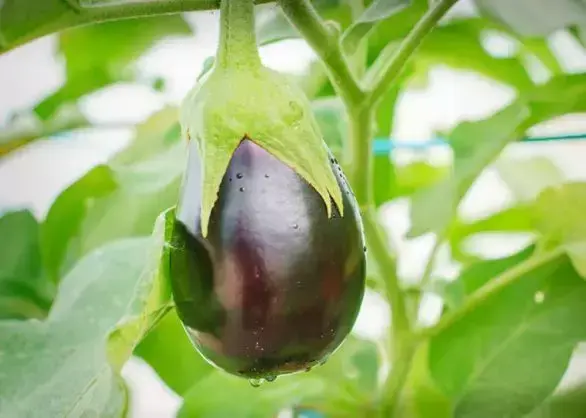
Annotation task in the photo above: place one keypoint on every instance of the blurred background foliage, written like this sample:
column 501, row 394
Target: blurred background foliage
column 504, row 359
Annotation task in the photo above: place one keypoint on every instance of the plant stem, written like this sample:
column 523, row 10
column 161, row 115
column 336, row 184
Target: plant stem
column 12, row 139
column 426, row 277
column 492, row 287
column 49, row 23
column 392, row 60
column 325, row 42
column 237, row 47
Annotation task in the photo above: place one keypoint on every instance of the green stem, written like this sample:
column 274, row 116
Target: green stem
column 492, row 287
column 426, row 277
column 358, row 156
column 392, row 60
column 13, row 35
column 324, row 40
column 237, row 48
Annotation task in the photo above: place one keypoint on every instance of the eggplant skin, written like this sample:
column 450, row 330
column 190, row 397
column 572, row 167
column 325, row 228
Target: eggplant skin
column 276, row 285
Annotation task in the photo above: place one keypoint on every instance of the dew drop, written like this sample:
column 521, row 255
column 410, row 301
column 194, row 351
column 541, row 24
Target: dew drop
column 266, row 176
column 229, row 178
column 255, row 383
column 332, row 161
column 239, row 175
column 270, row 378
column 364, row 248
column 308, row 369
column 241, row 189
column 295, row 226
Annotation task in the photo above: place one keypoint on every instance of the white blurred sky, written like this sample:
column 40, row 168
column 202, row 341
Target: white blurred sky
column 34, row 176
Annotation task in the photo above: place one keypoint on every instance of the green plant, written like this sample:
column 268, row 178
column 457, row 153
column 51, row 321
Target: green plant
column 77, row 298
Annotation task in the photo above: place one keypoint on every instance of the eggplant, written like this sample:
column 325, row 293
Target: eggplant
column 276, row 284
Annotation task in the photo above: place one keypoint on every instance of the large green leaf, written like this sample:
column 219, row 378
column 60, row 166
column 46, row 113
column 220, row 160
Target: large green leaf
column 340, row 388
column 477, row 144
column 120, row 199
column 171, row 354
column 25, row 291
column 509, row 354
column 102, row 54
column 68, row 365
column 535, row 17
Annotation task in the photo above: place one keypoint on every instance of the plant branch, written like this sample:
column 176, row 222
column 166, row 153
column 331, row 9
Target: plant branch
column 392, row 60
column 324, row 39
column 492, row 287
column 68, row 17
column 14, row 138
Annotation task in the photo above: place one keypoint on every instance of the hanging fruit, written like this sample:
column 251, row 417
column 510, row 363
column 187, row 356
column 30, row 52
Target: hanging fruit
column 267, row 263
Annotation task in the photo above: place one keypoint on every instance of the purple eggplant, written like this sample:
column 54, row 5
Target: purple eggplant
column 276, row 285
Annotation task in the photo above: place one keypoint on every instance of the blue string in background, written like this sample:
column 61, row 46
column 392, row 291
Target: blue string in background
column 382, row 146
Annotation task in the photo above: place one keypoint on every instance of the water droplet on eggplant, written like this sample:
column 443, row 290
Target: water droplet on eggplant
column 255, row 383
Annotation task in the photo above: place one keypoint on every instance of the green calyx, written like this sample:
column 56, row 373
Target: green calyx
column 241, row 99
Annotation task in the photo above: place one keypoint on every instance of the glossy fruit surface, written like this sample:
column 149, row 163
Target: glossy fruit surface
column 276, row 285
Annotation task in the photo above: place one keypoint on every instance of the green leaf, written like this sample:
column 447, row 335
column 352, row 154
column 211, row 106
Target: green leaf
column 568, row 403
column 477, row 144
column 459, row 45
column 68, row 365
column 102, row 54
column 559, row 217
column 25, row 291
column 266, row 108
column 168, row 350
column 511, row 351
column 121, row 199
column 342, row 388
column 526, row 178
column 535, row 17
column 456, row 43
column 516, row 219
column 377, row 10
column 208, row 398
